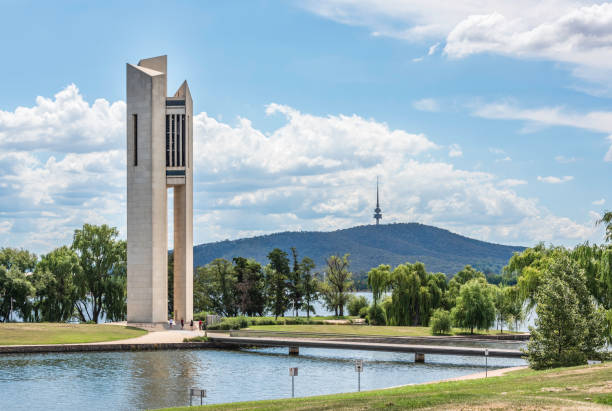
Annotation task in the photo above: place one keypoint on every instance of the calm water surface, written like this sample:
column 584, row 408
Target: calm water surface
column 140, row 380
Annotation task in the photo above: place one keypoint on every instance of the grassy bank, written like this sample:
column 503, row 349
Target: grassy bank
column 576, row 388
column 56, row 333
column 362, row 330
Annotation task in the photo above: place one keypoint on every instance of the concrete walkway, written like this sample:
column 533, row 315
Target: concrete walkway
column 158, row 337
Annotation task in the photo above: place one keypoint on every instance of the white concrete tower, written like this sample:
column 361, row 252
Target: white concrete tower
column 159, row 155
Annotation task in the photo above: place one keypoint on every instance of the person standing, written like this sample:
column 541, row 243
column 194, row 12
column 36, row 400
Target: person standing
column 182, row 323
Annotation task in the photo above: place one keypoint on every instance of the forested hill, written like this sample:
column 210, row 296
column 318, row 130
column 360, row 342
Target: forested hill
column 369, row 246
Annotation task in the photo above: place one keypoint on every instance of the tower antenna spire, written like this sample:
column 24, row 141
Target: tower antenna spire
column 377, row 210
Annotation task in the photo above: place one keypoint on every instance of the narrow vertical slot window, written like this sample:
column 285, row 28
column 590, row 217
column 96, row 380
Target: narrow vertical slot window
column 183, row 140
column 135, row 121
column 167, row 140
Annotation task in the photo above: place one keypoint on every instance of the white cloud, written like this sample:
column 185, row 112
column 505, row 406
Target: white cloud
column 512, row 182
column 599, row 202
column 455, row 151
column 426, row 104
column 597, row 121
column 64, row 124
column 433, row 49
column 565, row 160
column 575, row 32
column 555, row 180
column 310, row 173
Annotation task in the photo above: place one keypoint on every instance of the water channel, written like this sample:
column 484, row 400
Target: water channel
column 154, row 379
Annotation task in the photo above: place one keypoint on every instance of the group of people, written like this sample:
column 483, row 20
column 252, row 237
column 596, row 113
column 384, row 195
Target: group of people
column 201, row 325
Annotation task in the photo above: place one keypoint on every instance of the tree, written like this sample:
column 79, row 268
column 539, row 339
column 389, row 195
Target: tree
column 250, row 286
column 16, row 289
column 310, row 286
column 102, row 259
column 215, row 288
column 56, row 282
column 441, row 322
column 466, row 274
column 378, row 281
column 277, row 274
column 337, row 283
column 355, row 304
column 294, row 285
column 606, row 220
column 474, row 307
column 15, row 292
column 414, row 294
column 560, row 334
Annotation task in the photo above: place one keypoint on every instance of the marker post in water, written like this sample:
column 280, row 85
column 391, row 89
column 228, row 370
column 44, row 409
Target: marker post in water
column 293, row 372
column 486, row 362
column 359, row 369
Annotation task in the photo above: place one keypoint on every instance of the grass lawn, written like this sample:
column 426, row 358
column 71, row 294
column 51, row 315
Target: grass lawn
column 59, row 333
column 576, row 388
column 362, row 330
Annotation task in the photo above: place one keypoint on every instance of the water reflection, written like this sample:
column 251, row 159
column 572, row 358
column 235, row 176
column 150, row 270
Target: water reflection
column 154, row 379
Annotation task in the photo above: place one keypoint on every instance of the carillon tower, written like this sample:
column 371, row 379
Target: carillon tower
column 159, row 156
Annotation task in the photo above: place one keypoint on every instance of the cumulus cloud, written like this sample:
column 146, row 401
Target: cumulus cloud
column 66, row 123
column 555, row 180
column 575, row 32
column 426, row 104
column 310, row 173
column 455, row 150
column 599, row 202
column 565, row 160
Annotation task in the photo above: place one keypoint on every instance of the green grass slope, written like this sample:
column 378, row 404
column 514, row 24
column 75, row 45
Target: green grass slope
column 369, row 246
column 576, row 388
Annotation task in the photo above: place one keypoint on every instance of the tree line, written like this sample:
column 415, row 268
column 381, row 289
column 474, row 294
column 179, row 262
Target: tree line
column 86, row 280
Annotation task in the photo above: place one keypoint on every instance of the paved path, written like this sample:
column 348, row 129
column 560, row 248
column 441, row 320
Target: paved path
column 158, row 337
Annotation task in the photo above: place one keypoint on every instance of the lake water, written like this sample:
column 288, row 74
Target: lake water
column 154, row 379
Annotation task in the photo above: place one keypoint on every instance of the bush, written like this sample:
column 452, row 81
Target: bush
column 376, row 315
column 201, row 316
column 363, row 313
column 355, row 304
column 234, row 323
column 440, row 322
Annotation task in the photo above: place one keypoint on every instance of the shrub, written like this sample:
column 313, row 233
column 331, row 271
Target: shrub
column 441, row 322
column 355, row 304
column 363, row 313
column 201, row 316
column 234, row 323
column 376, row 315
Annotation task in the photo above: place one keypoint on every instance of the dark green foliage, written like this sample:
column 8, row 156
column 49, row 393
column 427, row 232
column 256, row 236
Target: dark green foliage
column 559, row 336
column 414, row 294
column 15, row 292
column 310, row 286
column 335, row 289
column 441, row 322
column 370, row 246
column 363, row 312
column 215, row 288
column 56, row 282
column 102, row 258
column 474, row 308
column 276, row 276
column 355, row 305
column 250, row 286
column 294, row 285
column 377, row 315
column 233, row 323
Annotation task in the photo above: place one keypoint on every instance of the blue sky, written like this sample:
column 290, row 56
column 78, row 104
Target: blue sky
column 478, row 117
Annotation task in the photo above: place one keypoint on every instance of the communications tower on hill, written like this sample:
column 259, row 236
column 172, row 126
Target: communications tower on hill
column 377, row 210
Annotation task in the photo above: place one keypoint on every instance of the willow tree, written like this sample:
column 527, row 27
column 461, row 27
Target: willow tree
column 56, row 282
column 378, row 281
column 474, row 307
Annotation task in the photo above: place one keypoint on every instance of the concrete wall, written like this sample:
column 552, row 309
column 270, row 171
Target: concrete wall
column 147, row 200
